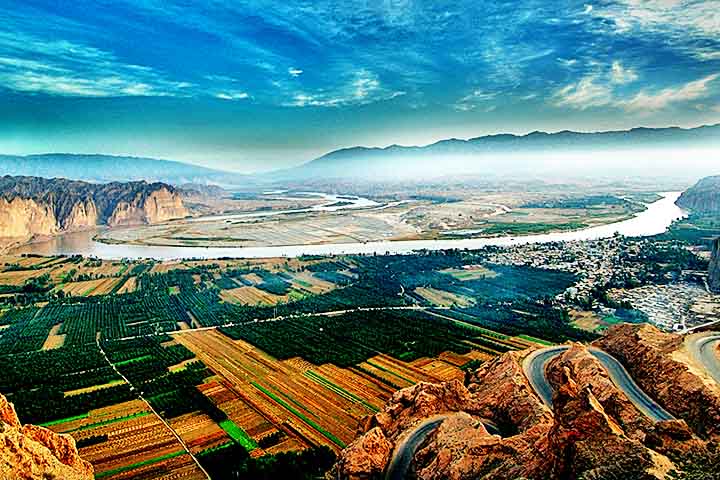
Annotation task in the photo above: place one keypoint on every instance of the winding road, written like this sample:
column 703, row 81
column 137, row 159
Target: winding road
column 704, row 349
column 535, row 365
column 405, row 451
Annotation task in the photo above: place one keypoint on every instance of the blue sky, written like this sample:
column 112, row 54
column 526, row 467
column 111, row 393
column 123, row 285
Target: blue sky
column 257, row 85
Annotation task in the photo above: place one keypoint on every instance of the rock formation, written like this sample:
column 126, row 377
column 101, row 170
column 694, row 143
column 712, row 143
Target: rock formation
column 655, row 361
column 28, row 452
column 495, row 426
column 703, row 197
column 32, row 206
column 714, row 270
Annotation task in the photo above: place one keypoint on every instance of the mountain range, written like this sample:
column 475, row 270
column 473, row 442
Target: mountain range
column 486, row 155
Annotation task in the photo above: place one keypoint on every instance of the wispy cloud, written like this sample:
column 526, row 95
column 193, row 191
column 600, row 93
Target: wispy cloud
column 588, row 92
column 473, row 100
column 295, row 72
column 622, row 75
column 363, row 87
column 232, row 95
column 647, row 102
column 64, row 68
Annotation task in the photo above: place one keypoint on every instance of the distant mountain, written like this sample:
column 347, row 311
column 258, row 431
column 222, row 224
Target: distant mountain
column 32, row 206
column 490, row 154
column 703, row 197
column 109, row 168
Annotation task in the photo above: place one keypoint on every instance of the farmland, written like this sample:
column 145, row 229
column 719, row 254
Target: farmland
column 249, row 365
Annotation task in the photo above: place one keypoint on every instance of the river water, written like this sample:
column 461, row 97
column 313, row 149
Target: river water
column 654, row 220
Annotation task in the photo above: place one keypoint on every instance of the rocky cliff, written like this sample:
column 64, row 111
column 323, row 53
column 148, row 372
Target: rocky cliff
column 703, row 197
column 36, row 206
column 714, row 270
column 495, row 427
column 28, row 452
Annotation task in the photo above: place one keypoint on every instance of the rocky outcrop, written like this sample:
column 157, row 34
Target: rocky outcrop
column 714, row 269
column 703, row 197
column 495, row 426
column 30, row 452
column 653, row 359
column 24, row 217
column 159, row 206
column 36, row 206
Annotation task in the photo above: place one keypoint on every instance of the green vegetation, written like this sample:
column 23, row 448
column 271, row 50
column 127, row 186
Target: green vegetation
column 527, row 228
column 238, row 435
column 233, row 462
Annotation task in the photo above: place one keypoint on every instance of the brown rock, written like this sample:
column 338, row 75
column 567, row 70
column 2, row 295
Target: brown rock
column 30, row 452
column 365, row 458
column 647, row 353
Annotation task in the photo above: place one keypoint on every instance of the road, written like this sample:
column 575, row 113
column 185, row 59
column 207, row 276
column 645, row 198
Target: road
column 405, row 451
column 152, row 409
column 535, row 365
column 704, row 349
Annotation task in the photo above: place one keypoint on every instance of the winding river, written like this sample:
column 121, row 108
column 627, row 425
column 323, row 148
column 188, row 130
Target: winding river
column 654, row 220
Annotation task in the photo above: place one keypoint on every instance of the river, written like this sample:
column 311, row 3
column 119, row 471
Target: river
column 654, row 220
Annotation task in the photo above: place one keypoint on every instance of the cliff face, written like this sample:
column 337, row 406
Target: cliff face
column 37, row 206
column 28, row 452
column 714, row 270
column 495, row 426
column 656, row 362
column 703, row 197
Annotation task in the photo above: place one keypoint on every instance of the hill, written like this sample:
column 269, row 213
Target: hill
column 703, row 197
column 504, row 153
column 37, row 206
column 109, row 168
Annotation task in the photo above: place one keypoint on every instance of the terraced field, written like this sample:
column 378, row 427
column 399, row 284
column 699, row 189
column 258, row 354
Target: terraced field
column 311, row 405
column 128, row 441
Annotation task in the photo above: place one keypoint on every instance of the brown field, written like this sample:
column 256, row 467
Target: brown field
column 19, row 277
column 199, row 431
column 130, row 440
column 443, row 298
column 54, row 339
column 307, row 282
column 129, row 286
column 100, row 286
column 316, row 405
column 251, row 296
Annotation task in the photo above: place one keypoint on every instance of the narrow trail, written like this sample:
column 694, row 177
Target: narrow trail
column 140, row 396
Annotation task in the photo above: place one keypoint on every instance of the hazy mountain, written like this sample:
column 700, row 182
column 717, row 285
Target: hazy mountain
column 506, row 153
column 108, row 168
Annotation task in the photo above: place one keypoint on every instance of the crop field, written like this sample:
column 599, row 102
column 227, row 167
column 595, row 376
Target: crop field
column 442, row 298
column 55, row 339
column 101, row 286
column 250, row 296
column 128, row 441
column 315, row 405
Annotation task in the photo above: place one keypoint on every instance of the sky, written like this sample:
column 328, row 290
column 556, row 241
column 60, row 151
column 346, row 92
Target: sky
column 257, row 85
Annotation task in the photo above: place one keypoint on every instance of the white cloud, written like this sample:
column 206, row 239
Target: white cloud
column 63, row 68
column 362, row 87
column 295, row 72
column 622, row 75
column 588, row 9
column 584, row 94
column 649, row 102
column 474, row 99
column 233, row 95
